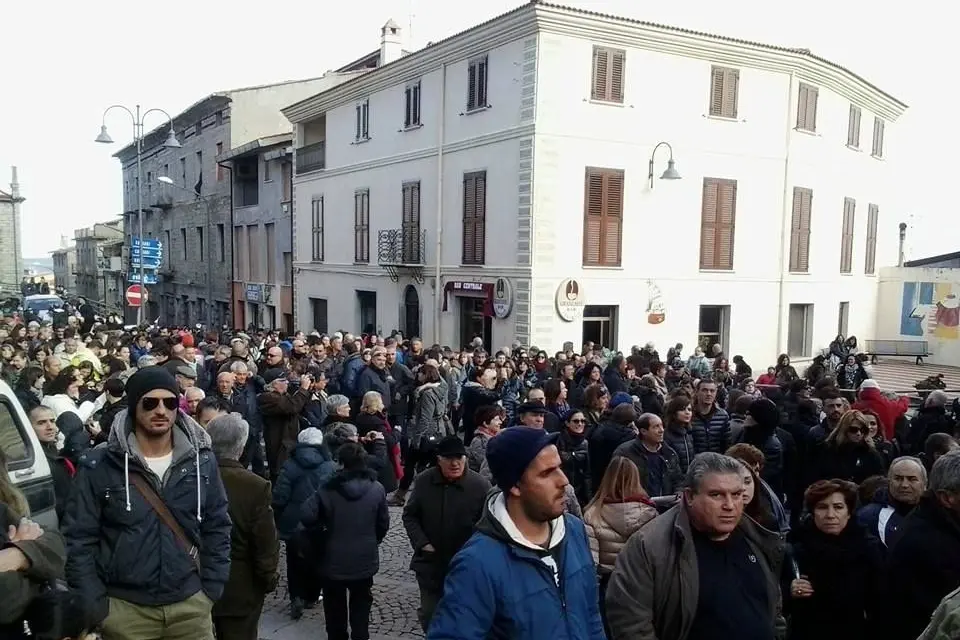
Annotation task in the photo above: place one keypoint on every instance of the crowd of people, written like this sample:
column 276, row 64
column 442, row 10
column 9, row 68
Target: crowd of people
column 585, row 494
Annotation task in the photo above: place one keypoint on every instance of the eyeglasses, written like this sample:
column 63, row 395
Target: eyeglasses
column 170, row 404
column 579, row 421
column 861, row 430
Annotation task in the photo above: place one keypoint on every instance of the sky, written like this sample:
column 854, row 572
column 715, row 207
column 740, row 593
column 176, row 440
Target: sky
column 62, row 64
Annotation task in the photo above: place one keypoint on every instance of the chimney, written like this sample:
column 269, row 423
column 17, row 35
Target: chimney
column 903, row 241
column 14, row 185
column 390, row 48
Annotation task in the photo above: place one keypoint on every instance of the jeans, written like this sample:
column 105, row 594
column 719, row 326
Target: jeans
column 302, row 579
column 338, row 612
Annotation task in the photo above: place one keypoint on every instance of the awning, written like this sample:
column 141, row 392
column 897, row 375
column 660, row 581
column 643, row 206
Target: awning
column 470, row 290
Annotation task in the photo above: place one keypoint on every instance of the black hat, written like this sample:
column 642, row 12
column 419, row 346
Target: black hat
column 271, row 375
column 765, row 412
column 451, row 447
column 531, row 407
column 511, row 451
column 149, row 379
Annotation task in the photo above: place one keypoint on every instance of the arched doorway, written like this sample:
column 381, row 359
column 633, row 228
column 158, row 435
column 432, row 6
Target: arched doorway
column 411, row 312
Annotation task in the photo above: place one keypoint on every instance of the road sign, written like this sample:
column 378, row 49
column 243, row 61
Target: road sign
column 148, row 277
column 136, row 295
column 147, row 244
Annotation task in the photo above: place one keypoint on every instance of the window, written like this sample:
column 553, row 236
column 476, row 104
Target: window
column 198, row 188
column 316, row 229
column 724, row 91
column 240, row 262
column 270, row 229
column 807, row 108
column 318, row 309
column 602, row 217
column 411, row 109
column 843, row 319
column 267, row 177
column 477, row 72
column 287, row 268
column 219, row 118
column 200, row 239
column 799, row 330
column 183, row 241
column 285, row 170
column 183, row 171
column 169, row 246
column 846, row 235
column 363, row 121
column 253, row 251
column 198, row 128
column 474, row 218
column 361, row 226
column 219, row 168
column 718, row 215
column 853, row 129
column 873, row 213
column 714, row 326
column 12, row 442
column 800, row 230
column 877, row 151
column 411, row 224
column 221, row 243
column 608, row 65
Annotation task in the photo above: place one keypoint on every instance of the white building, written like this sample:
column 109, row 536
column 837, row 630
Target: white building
column 517, row 152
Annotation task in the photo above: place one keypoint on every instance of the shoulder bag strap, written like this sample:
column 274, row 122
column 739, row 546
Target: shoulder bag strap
column 160, row 508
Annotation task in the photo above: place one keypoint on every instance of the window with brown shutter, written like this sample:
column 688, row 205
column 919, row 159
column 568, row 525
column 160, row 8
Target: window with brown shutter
column 316, row 229
column 873, row 213
column 807, row 108
column 846, row 235
column 602, row 217
column 853, row 127
column 477, row 72
column 718, row 215
column 410, row 231
column 474, row 217
column 724, row 90
column 361, row 226
column 800, row 230
column 608, row 68
column 877, row 138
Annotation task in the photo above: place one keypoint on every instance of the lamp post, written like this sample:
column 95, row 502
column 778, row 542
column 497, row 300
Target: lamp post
column 671, row 173
column 171, row 142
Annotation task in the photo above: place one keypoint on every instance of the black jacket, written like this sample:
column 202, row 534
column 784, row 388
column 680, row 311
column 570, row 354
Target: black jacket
column 847, row 461
column 671, row 479
column 575, row 459
column 353, row 508
column 442, row 514
column 372, row 379
column 118, row 546
column 18, row 588
column 601, row 444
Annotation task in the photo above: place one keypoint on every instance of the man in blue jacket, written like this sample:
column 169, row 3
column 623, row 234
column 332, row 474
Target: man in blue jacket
column 526, row 573
column 147, row 528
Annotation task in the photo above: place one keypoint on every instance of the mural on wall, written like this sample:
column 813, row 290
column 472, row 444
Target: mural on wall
column 656, row 310
column 931, row 310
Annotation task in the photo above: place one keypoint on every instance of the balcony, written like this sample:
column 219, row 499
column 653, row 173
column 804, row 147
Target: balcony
column 401, row 247
column 312, row 157
column 160, row 196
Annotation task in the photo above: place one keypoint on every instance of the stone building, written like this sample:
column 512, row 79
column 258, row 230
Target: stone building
column 98, row 264
column 11, row 257
column 65, row 266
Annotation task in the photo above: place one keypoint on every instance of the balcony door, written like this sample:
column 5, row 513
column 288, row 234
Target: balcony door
column 411, row 249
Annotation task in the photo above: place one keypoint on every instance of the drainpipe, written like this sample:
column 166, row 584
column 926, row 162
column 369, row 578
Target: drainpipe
column 293, row 253
column 785, row 216
column 229, row 234
column 437, row 286
column 903, row 242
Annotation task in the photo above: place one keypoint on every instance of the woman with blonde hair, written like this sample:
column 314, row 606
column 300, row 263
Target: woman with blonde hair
column 848, row 452
column 620, row 507
column 372, row 424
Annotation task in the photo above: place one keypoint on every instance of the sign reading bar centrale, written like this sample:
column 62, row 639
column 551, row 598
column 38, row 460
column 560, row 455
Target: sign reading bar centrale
column 570, row 300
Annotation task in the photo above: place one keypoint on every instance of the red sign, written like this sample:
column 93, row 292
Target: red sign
column 136, row 295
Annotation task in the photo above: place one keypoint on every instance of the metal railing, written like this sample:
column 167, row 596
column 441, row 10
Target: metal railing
column 312, row 157
column 401, row 246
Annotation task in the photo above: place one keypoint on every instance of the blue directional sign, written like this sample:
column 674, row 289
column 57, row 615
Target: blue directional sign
column 147, row 263
column 148, row 277
column 149, row 243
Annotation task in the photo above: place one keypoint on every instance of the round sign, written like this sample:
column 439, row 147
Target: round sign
column 502, row 298
column 135, row 295
column 570, row 300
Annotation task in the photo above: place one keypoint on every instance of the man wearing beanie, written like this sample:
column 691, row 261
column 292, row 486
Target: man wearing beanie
column 147, row 528
column 760, row 430
column 526, row 573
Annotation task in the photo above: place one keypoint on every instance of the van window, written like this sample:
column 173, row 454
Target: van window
column 11, row 437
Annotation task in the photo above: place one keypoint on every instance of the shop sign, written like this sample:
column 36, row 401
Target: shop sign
column 570, row 300
column 502, row 298
column 254, row 293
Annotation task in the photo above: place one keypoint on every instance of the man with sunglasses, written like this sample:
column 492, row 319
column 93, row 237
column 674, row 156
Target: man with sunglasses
column 147, row 527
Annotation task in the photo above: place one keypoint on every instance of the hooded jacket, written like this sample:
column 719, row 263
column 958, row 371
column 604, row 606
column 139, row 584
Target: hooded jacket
column 46, row 556
column 118, row 546
column 502, row 586
column 310, row 466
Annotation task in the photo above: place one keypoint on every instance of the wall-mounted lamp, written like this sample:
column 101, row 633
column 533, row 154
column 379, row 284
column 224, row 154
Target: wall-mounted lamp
column 671, row 173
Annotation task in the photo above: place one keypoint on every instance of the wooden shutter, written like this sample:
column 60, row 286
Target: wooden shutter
column 408, row 107
column 878, row 125
column 474, row 217
column 609, row 66
column 846, row 235
column 807, row 108
column 317, row 231
column 603, row 217
column 411, row 223
column 724, row 92
column 853, row 127
column 873, row 215
column 361, row 215
column 800, row 230
column 718, row 223
column 601, row 69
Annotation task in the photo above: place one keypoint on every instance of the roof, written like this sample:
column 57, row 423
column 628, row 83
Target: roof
column 255, row 146
column 932, row 260
column 540, row 12
column 6, row 197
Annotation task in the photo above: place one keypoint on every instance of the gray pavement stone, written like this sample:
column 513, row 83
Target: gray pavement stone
column 395, row 598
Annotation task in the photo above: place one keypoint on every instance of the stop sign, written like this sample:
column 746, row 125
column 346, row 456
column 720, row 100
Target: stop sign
column 135, row 295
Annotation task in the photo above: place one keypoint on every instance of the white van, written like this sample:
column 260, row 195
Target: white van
column 26, row 462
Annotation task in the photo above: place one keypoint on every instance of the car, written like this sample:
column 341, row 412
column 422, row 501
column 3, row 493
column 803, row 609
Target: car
column 42, row 307
column 26, row 463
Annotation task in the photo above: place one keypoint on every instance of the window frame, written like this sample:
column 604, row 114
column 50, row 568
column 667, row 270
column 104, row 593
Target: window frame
column 413, row 102
column 611, row 211
column 478, row 83
column 854, row 124
column 720, row 93
column 714, row 264
column 475, row 182
column 361, row 226
column 870, row 254
column 800, row 235
column 879, row 126
column 316, row 229
column 362, row 128
column 808, row 97
column 611, row 87
column 848, row 225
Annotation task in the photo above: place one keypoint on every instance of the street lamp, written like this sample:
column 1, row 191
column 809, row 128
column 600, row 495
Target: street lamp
column 671, row 173
column 171, row 142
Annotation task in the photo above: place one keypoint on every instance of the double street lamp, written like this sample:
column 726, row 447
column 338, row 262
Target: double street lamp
column 171, row 142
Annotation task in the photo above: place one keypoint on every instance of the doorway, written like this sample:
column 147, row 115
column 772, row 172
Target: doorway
column 367, row 304
column 843, row 319
column 600, row 325
column 474, row 322
column 714, row 327
column 411, row 312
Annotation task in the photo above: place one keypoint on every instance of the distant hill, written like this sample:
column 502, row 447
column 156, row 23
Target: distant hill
column 46, row 262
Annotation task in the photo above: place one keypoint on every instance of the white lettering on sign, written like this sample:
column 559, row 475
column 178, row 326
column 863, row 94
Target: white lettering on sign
column 468, row 286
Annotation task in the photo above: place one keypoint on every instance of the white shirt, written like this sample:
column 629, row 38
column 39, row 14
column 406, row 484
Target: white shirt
column 159, row 465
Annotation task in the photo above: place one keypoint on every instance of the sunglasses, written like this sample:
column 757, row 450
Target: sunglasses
column 861, row 430
column 170, row 404
column 578, row 421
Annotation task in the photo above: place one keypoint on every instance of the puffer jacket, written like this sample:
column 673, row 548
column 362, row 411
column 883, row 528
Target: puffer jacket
column 428, row 414
column 680, row 439
column 610, row 525
column 310, row 466
column 118, row 546
column 711, row 432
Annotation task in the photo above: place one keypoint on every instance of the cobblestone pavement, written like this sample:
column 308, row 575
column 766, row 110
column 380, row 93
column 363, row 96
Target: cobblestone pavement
column 395, row 598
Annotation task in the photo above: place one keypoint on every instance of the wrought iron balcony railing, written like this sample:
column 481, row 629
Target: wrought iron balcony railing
column 401, row 247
